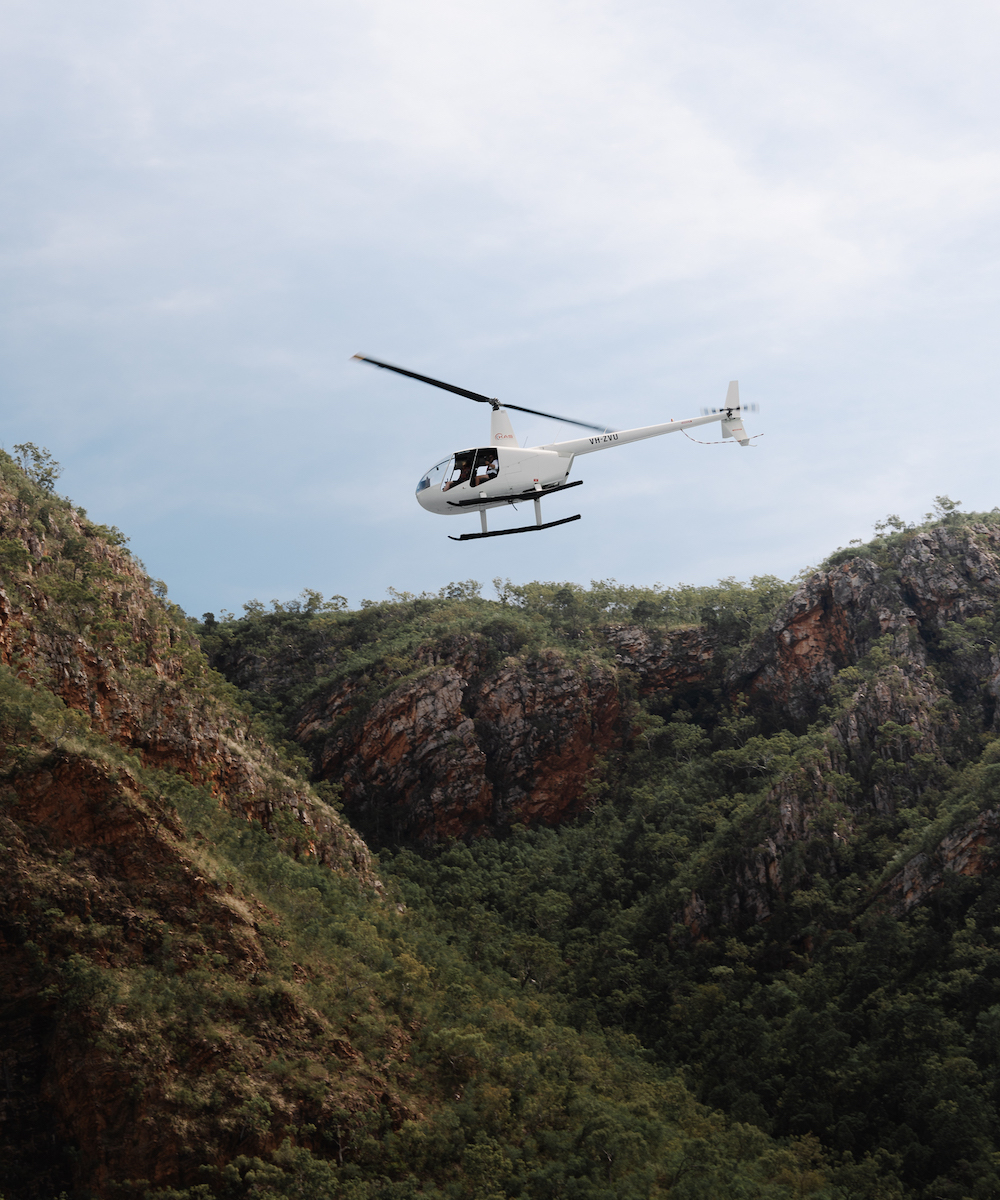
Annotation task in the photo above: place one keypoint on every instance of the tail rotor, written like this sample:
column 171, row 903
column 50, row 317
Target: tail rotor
column 732, row 414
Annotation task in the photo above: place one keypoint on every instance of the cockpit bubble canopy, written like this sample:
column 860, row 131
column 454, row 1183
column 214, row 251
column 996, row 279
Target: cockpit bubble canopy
column 436, row 475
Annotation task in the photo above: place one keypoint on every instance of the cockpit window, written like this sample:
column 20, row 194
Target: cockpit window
column 479, row 466
column 487, row 466
column 461, row 469
column 434, row 476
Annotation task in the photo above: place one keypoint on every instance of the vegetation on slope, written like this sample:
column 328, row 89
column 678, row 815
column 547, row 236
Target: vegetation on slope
column 191, row 1005
column 835, row 1016
column 871, row 1032
column 291, row 653
column 80, row 617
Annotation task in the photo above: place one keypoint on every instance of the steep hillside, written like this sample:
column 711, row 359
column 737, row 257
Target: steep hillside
column 206, row 990
column 450, row 716
column 775, row 859
column 80, row 618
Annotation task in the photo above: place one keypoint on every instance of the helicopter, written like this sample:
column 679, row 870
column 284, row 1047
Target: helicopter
column 503, row 472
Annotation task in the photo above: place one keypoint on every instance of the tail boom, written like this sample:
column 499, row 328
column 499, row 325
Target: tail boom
column 730, row 416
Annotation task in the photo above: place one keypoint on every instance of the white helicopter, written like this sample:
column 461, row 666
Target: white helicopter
column 502, row 473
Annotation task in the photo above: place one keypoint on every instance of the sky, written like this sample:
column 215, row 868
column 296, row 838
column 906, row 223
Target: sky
column 600, row 209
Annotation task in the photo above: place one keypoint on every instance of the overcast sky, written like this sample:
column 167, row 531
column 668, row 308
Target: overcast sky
column 602, row 209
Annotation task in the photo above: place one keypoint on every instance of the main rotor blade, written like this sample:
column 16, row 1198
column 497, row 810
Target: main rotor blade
column 448, row 387
column 568, row 420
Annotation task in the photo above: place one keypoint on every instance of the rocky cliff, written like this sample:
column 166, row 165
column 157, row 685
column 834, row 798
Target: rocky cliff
column 923, row 584
column 897, row 658
column 889, row 649
column 80, row 617
column 463, row 734
column 110, row 720
column 205, row 990
column 460, row 750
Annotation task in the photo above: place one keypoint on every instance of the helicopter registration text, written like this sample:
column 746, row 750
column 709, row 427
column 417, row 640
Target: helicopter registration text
column 605, row 437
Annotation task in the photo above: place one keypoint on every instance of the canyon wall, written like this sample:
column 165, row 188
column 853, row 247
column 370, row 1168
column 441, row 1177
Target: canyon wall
column 466, row 741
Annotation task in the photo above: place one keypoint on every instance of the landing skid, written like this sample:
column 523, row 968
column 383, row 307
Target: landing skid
column 469, row 537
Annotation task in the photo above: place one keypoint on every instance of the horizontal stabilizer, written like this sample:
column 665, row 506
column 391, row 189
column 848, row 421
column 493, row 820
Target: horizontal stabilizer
column 734, row 429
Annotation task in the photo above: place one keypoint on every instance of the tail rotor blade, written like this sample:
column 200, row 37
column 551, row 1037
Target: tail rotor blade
column 747, row 408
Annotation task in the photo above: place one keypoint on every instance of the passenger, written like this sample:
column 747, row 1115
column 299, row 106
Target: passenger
column 462, row 471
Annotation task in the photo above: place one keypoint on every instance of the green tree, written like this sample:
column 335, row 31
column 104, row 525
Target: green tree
column 39, row 465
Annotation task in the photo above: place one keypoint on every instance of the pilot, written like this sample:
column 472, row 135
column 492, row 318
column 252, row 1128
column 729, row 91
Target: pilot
column 461, row 471
column 485, row 471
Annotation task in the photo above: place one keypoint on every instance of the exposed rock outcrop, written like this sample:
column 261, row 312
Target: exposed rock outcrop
column 938, row 576
column 971, row 849
column 462, row 747
column 664, row 661
column 80, row 617
column 97, row 875
column 893, row 723
column 463, row 740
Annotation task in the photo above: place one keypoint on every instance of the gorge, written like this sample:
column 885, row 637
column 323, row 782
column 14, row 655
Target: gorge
column 606, row 892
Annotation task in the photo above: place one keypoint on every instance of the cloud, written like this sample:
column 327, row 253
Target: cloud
column 613, row 206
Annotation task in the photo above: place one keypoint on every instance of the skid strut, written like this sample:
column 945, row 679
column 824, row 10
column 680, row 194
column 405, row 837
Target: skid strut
column 517, row 497
column 536, row 496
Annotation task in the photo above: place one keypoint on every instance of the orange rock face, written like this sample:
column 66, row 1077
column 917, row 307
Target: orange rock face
column 836, row 616
column 664, row 662
column 968, row 850
column 458, row 751
column 903, row 715
column 116, row 651
column 469, row 744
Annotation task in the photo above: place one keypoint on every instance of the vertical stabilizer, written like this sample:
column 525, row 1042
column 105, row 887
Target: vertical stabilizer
column 501, row 431
column 732, row 425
